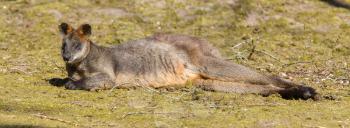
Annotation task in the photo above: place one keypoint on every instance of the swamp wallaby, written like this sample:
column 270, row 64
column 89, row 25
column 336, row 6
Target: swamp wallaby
column 163, row 60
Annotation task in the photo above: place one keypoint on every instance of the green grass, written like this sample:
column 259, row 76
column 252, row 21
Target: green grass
column 305, row 41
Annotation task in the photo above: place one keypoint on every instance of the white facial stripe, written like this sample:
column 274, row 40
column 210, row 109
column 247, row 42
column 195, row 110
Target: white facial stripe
column 80, row 54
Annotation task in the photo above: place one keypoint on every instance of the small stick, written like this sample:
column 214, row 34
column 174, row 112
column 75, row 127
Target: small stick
column 270, row 105
column 290, row 64
column 273, row 57
column 239, row 44
column 54, row 119
column 111, row 90
column 140, row 113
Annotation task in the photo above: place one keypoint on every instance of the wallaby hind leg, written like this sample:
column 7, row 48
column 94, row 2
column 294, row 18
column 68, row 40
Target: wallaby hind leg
column 299, row 92
column 242, row 88
column 221, row 70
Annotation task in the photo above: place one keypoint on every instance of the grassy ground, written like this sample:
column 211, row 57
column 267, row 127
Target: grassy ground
column 305, row 41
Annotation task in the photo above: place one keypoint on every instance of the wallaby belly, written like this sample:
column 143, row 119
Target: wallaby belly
column 152, row 64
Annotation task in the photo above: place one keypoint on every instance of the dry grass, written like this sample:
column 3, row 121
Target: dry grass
column 305, row 41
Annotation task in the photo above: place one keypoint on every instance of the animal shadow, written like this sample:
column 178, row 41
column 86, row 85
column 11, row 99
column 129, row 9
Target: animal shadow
column 58, row 82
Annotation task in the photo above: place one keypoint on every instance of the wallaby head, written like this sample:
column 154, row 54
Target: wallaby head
column 75, row 42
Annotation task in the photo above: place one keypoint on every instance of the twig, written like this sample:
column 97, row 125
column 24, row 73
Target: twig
column 132, row 113
column 18, row 69
column 239, row 44
column 108, row 125
column 290, row 64
column 268, row 54
column 117, row 85
column 54, row 119
column 221, row 106
column 249, row 105
column 273, row 57
column 270, row 105
column 140, row 113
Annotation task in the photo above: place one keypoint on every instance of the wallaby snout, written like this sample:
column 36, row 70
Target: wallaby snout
column 66, row 57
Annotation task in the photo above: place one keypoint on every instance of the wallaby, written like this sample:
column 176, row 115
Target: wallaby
column 163, row 60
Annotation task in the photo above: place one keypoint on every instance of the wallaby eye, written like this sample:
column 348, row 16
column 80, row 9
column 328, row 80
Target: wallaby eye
column 78, row 47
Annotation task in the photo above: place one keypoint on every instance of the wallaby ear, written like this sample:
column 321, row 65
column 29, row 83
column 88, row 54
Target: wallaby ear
column 65, row 28
column 85, row 30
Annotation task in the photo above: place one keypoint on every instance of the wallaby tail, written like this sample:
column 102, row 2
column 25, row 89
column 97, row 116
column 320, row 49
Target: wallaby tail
column 221, row 75
column 338, row 3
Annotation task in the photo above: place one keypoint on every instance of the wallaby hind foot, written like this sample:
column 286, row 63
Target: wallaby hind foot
column 299, row 92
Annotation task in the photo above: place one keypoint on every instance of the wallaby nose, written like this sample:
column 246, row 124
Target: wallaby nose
column 66, row 58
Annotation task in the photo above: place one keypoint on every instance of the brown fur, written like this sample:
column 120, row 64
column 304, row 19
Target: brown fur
column 163, row 60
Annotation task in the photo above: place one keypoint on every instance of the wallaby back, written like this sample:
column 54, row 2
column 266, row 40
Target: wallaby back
column 188, row 42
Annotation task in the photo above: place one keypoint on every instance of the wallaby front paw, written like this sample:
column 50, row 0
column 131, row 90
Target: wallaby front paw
column 70, row 85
